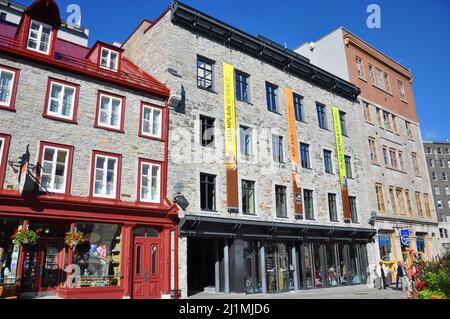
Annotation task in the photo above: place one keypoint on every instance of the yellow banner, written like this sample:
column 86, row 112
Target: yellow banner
column 230, row 139
column 230, row 115
column 340, row 147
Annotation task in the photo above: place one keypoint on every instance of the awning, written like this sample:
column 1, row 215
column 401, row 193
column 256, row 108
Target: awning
column 204, row 226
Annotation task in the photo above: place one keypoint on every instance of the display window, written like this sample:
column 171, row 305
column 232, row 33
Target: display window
column 9, row 253
column 97, row 258
column 385, row 247
column 421, row 246
column 253, row 274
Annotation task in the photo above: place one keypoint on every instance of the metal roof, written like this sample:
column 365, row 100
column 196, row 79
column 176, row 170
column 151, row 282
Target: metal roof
column 261, row 48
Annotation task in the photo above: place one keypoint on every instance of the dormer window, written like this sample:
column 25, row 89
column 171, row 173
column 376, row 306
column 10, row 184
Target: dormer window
column 39, row 37
column 109, row 59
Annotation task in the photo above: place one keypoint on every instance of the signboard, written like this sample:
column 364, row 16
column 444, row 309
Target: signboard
column 230, row 139
column 23, row 177
column 294, row 152
column 341, row 163
column 405, row 237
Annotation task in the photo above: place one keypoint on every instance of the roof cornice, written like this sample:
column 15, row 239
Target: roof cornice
column 262, row 49
column 350, row 38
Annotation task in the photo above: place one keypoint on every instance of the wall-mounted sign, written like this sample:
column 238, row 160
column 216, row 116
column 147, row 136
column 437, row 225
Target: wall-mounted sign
column 405, row 237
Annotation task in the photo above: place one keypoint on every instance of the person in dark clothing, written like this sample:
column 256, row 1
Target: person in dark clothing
column 400, row 275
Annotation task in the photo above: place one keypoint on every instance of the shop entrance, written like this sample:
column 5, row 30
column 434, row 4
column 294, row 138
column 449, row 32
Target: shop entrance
column 42, row 271
column 148, row 268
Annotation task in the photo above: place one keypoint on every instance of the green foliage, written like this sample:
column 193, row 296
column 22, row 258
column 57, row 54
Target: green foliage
column 436, row 275
column 25, row 237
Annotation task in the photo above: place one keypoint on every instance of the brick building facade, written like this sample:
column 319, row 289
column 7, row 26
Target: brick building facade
column 400, row 196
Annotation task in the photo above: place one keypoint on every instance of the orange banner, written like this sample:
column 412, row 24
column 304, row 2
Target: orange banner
column 294, row 153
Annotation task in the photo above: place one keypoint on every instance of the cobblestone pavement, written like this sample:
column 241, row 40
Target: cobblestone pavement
column 353, row 292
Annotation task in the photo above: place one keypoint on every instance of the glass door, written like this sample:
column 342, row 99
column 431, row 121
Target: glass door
column 271, row 268
column 50, row 272
column 308, row 265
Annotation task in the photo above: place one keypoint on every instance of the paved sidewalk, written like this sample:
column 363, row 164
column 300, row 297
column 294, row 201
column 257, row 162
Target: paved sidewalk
column 352, row 292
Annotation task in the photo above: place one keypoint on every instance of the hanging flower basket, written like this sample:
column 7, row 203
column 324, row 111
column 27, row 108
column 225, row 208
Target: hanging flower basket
column 25, row 237
column 73, row 238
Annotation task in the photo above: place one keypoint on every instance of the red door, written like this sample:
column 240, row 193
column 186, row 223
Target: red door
column 42, row 271
column 49, row 270
column 147, row 279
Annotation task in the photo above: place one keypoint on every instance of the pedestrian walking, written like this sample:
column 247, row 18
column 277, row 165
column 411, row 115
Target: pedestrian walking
column 399, row 276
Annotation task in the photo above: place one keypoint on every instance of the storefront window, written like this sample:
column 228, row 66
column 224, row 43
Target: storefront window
column 343, row 264
column 420, row 243
column 354, row 269
column 9, row 253
column 278, row 268
column 331, row 263
column 385, row 247
column 98, row 258
column 308, row 265
column 252, row 271
column 318, row 270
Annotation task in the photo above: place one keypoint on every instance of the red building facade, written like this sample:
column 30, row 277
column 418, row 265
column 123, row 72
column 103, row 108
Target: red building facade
column 86, row 130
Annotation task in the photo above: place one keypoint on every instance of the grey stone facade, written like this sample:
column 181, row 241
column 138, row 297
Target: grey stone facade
column 27, row 126
column 438, row 163
column 165, row 48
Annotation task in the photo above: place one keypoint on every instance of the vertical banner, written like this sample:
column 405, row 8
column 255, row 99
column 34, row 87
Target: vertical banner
column 342, row 167
column 295, row 154
column 230, row 139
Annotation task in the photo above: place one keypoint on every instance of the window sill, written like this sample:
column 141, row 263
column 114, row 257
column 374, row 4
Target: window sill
column 209, row 211
column 245, row 102
column 404, row 101
column 207, row 90
column 274, row 112
column 154, row 138
column 368, row 122
column 8, row 108
column 59, row 119
column 376, row 164
column 121, row 130
column 383, row 90
column 362, row 79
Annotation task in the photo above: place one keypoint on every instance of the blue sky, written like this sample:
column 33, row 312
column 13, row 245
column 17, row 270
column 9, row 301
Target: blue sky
column 415, row 33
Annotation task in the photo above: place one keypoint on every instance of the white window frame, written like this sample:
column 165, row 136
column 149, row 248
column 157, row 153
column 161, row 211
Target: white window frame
column 2, row 146
column 402, row 90
column 360, row 68
column 53, row 173
column 109, row 110
column 153, row 109
column 283, row 157
column 150, row 179
column 61, row 100
column 11, row 88
column 39, row 37
column 105, row 176
column 108, row 66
